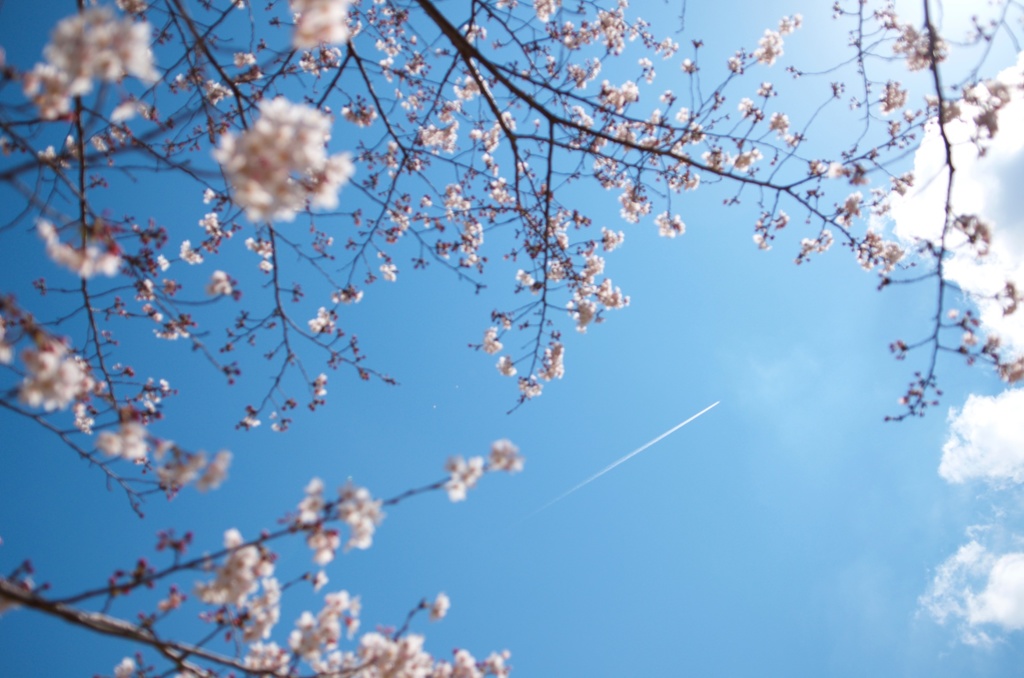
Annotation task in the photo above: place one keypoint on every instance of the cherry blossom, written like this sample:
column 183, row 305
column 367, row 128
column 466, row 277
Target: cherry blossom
column 439, row 608
column 91, row 44
column 362, row 514
column 54, row 376
column 505, row 457
column 324, row 321
column 215, row 473
column 319, row 21
column 506, row 366
column 893, row 98
column 267, row 657
column 545, row 8
column 6, row 352
column 129, row 442
column 280, row 163
column 87, row 261
column 220, row 284
column 126, row 668
column 554, row 366
column 464, row 476
column 239, row 576
column 491, row 344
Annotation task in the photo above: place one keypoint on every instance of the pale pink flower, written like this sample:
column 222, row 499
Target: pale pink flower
column 506, row 366
column 464, row 475
column 216, row 92
column 769, row 48
column 491, row 344
column 583, row 311
column 324, row 321
column 128, row 442
column 402, row 657
column 180, row 469
column 86, row 262
column 465, row 665
column 850, row 208
column 319, row 21
column 211, row 224
column 495, row 664
column 126, row 669
column 917, row 46
column 611, row 239
column 893, row 98
column 439, row 608
column 320, row 386
column 319, row 580
column 619, row 98
column 133, row 6
column 263, row 612
column 88, row 45
column 54, row 377
column 303, row 639
column 362, row 514
column 324, row 543
column 554, row 365
column 545, row 8
column 505, row 457
column 83, row 422
column 188, row 254
column 779, row 122
column 216, row 473
column 220, row 284
column 348, row 295
column 237, row 578
column 745, row 161
column 669, row 226
column 527, row 281
column 48, row 87
column 389, row 272
column 6, row 352
column 280, row 163
column 268, row 658
column 339, row 608
column 312, row 505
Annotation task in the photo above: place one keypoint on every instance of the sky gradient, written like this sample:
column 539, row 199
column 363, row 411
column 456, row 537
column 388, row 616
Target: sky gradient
column 788, row 531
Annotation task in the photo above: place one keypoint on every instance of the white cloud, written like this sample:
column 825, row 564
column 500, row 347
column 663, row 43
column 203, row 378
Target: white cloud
column 986, row 440
column 1002, row 600
column 988, row 186
column 981, row 591
column 946, row 597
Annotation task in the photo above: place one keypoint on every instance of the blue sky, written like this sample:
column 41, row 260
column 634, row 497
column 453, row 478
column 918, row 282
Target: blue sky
column 789, row 531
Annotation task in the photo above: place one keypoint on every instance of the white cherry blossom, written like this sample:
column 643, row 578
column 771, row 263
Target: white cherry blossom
column 280, row 163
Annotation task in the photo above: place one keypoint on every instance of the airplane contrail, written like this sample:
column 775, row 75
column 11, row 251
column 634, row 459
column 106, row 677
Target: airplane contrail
column 624, row 459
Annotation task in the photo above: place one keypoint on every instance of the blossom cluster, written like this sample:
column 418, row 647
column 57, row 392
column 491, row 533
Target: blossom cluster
column 355, row 506
column 6, row 352
column 280, row 163
column 377, row 656
column 319, row 21
column 86, row 261
column 89, row 45
column 239, row 576
column 314, row 635
column 179, row 468
column 769, row 48
column 464, row 473
column 55, row 377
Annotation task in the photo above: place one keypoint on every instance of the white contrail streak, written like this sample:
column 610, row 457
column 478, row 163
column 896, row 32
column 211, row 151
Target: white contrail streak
column 624, row 459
